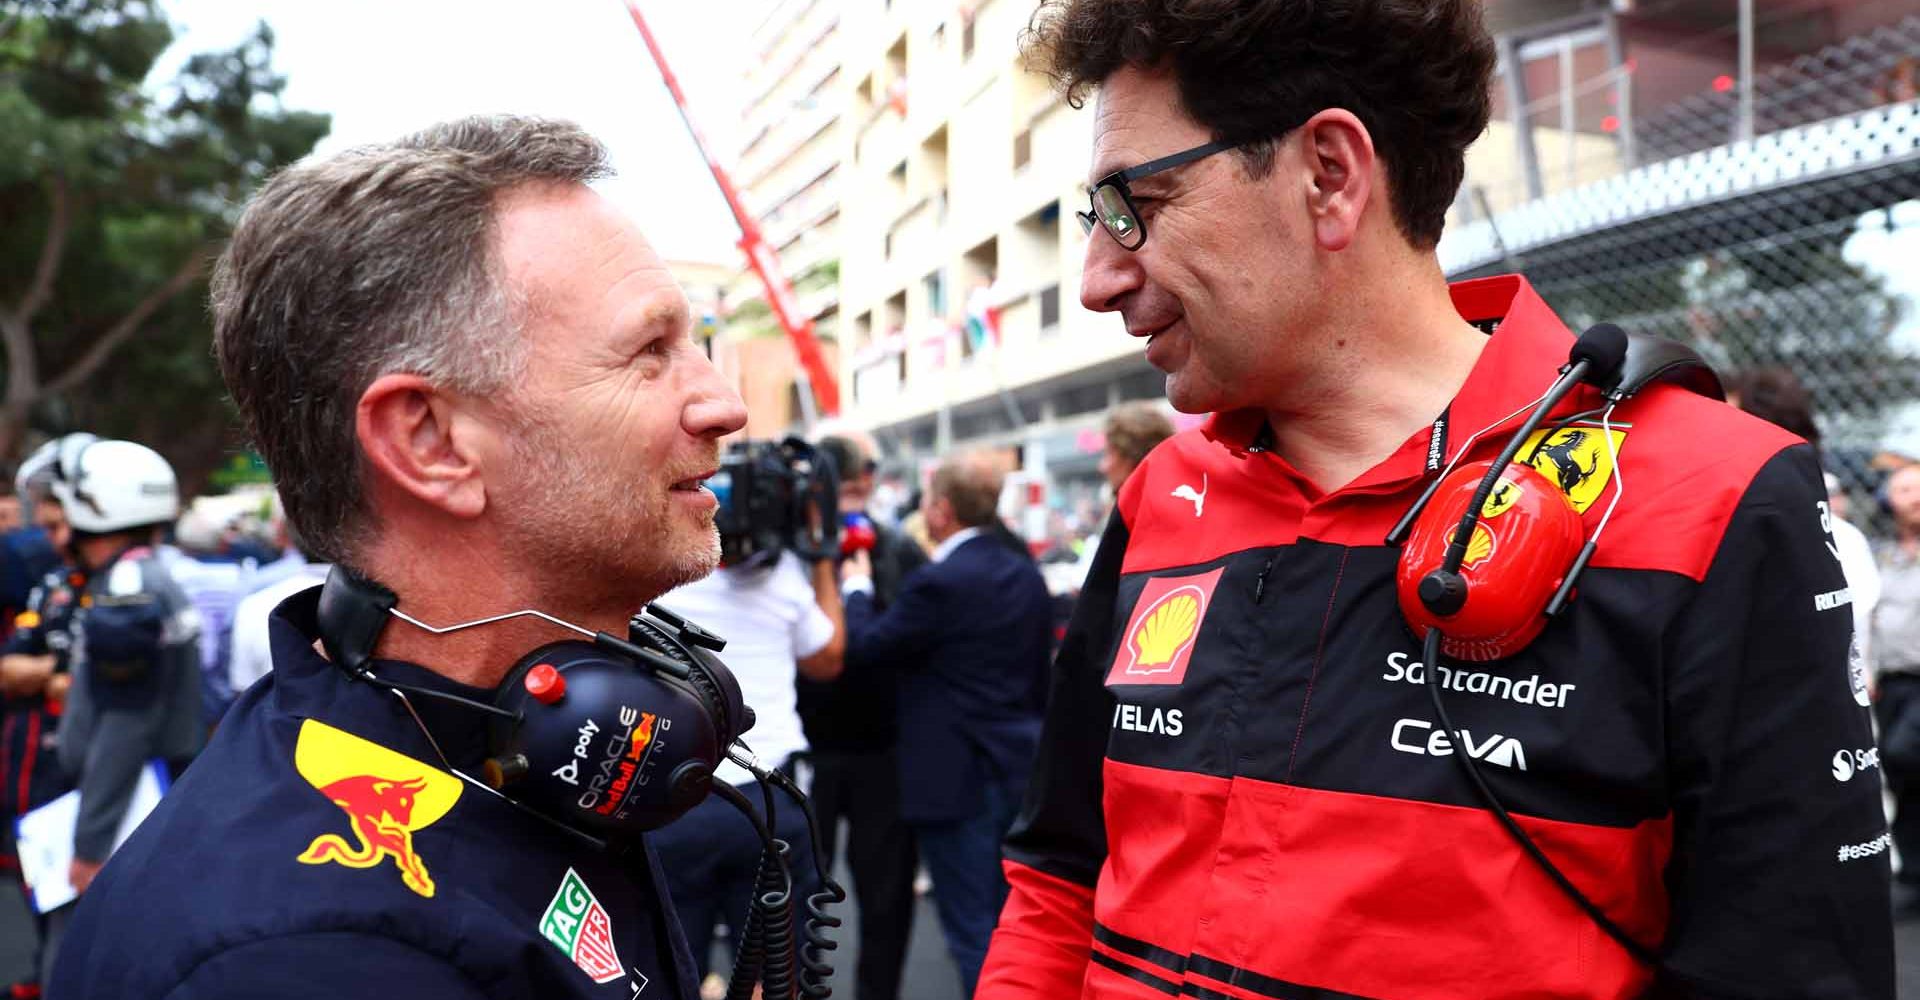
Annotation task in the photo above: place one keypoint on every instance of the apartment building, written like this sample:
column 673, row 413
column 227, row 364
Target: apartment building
column 941, row 176
column 789, row 175
column 959, row 281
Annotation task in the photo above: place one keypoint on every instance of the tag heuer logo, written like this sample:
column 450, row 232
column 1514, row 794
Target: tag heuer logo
column 578, row 925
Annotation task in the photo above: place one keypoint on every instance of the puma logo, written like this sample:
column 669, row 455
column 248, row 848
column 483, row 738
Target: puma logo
column 1199, row 500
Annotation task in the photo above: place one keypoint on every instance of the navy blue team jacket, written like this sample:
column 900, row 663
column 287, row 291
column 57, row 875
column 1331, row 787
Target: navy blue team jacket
column 314, row 851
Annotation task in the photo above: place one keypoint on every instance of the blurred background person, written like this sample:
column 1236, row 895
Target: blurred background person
column 1133, row 430
column 135, row 691
column 214, row 582
column 853, row 728
column 249, row 651
column 34, row 674
column 780, row 615
column 967, row 640
column 1896, row 645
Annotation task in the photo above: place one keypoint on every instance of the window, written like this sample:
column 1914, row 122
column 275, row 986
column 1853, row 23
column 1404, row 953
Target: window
column 936, row 287
column 1022, row 149
column 1049, row 307
column 1083, row 399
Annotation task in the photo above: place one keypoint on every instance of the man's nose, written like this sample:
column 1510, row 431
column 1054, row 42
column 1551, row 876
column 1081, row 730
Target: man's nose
column 1108, row 274
column 713, row 408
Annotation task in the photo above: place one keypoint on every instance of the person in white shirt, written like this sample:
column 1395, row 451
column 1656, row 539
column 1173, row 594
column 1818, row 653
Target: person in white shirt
column 251, row 655
column 780, row 617
column 1776, row 395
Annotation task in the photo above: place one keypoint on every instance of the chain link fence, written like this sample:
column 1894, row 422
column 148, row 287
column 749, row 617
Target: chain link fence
column 1799, row 250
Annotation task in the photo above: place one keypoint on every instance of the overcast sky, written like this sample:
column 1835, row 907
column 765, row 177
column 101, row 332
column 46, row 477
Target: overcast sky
column 385, row 68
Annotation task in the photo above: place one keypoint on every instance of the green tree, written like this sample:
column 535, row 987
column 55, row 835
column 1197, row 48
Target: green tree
column 114, row 197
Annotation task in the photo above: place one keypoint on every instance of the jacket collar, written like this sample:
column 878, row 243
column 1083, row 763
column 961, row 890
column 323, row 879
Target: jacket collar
column 307, row 685
column 953, row 543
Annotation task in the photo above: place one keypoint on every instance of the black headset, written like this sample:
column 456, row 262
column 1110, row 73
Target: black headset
column 606, row 737
column 1437, row 595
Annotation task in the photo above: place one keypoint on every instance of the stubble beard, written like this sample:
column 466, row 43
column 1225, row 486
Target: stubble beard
column 594, row 539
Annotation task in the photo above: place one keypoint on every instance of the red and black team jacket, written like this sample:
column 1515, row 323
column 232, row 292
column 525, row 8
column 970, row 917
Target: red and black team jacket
column 1242, row 790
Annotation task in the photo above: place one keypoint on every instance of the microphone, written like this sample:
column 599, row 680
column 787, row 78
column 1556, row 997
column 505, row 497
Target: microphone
column 1596, row 359
column 1604, row 349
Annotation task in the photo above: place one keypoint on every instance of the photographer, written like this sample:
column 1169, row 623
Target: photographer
column 777, row 602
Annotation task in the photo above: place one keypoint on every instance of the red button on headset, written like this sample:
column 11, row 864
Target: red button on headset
column 545, row 684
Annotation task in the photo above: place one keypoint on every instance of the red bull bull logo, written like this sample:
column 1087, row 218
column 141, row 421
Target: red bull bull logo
column 387, row 797
column 629, row 762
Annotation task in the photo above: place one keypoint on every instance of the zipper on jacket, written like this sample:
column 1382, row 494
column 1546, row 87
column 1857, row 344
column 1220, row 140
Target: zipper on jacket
column 1260, row 583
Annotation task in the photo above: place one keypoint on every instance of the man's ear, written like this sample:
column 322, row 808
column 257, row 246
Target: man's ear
column 1339, row 154
column 416, row 440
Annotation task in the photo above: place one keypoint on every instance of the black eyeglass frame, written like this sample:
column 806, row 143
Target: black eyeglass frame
column 1119, row 181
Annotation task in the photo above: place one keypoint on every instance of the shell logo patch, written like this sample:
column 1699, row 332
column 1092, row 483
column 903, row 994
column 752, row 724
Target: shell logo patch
column 387, row 797
column 1158, row 643
column 1576, row 459
column 1479, row 547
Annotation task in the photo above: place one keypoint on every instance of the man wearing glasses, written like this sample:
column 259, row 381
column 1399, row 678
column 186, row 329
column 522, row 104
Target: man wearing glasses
column 1244, row 789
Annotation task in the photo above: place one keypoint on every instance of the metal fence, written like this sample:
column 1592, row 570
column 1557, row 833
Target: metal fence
column 1800, row 249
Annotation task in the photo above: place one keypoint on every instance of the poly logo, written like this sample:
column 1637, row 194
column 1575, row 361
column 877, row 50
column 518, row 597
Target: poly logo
column 578, row 925
column 1160, row 636
column 387, row 797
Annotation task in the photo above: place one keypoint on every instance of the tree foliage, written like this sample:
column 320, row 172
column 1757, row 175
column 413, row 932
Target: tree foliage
column 115, row 192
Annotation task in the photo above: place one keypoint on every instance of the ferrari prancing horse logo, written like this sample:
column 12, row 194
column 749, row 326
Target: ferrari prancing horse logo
column 1576, row 459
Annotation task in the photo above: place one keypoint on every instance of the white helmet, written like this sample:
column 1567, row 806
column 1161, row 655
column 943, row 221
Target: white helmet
column 109, row 486
column 33, row 481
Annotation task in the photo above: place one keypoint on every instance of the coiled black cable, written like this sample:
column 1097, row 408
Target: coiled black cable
column 765, row 956
column 749, row 953
column 815, row 970
column 769, row 917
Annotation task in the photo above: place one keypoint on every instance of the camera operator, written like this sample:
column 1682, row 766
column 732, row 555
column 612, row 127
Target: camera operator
column 776, row 599
column 853, row 734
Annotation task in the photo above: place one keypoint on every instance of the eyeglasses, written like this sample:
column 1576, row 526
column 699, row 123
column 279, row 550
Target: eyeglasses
column 1112, row 200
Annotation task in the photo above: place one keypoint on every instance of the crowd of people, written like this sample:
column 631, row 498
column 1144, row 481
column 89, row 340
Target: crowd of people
column 129, row 630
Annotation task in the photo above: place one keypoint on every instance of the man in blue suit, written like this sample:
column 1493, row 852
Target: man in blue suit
column 967, row 638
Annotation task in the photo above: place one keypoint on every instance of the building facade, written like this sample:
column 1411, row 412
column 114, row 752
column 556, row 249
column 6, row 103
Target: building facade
column 1708, row 170
column 961, row 257
column 788, row 173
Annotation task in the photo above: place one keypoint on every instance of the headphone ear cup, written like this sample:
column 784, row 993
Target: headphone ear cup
column 508, row 696
column 721, row 692
column 1522, row 548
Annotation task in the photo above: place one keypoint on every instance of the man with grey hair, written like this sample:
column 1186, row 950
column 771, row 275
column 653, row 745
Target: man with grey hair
column 967, row 640
column 475, row 383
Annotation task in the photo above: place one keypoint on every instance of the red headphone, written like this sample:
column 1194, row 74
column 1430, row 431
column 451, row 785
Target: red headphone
column 1491, row 555
column 1493, row 549
column 1518, row 555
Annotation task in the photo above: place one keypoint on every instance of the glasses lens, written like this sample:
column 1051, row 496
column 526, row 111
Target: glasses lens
column 1117, row 216
column 1086, row 223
